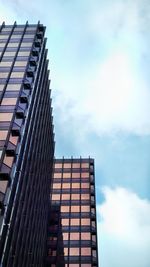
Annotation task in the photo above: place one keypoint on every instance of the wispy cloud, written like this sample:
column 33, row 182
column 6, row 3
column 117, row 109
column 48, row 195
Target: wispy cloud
column 124, row 226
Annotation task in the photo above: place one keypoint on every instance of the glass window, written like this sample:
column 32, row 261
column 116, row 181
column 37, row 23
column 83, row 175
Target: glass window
column 6, row 116
column 65, row 251
column 5, row 63
column 18, row 29
column 57, row 175
column 2, row 44
column 64, row 208
column 75, row 208
column 1, row 87
column 9, row 53
column 75, row 196
column 3, row 75
column 16, row 74
column 26, row 44
column 20, row 64
column 55, row 197
column 24, row 53
column 30, row 28
column 86, row 265
column 57, row 185
column 58, row 165
column 75, row 221
column 3, row 135
column 74, row 251
column 85, row 185
column 74, row 265
column 8, row 160
column 13, row 45
column 74, row 236
column 65, row 236
column 66, row 185
column 85, row 165
column 65, row 222
column 13, row 139
column 13, row 87
column 65, row 196
column 85, row 175
column 6, row 29
column 76, row 185
column 85, row 251
column 75, row 175
column 9, row 101
column 85, row 236
column 94, row 238
column 85, row 221
column 1, row 153
column 29, row 35
column 76, row 165
column 16, row 36
column 85, row 208
column 4, row 37
column 94, row 253
column 85, row 196
column 3, row 186
column 66, row 175
column 67, row 165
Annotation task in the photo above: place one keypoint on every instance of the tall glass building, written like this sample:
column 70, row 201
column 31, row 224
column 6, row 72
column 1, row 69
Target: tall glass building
column 26, row 145
column 72, row 238
column 47, row 205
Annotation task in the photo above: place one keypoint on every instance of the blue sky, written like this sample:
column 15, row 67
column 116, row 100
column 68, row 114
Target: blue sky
column 99, row 59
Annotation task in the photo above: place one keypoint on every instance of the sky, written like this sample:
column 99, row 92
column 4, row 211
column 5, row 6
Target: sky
column 99, row 59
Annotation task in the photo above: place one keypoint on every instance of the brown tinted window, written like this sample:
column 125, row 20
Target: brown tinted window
column 75, row 196
column 65, row 236
column 55, row 197
column 85, row 165
column 74, row 236
column 85, row 175
column 3, row 186
column 65, row 222
column 57, row 185
column 85, row 196
column 75, row 222
column 74, row 251
column 85, row 236
column 85, row 208
column 65, row 251
column 85, row 185
column 85, row 221
column 67, row 165
column 76, row 165
column 9, row 101
column 65, row 196
column 64, row 208
column 66, row 185
column 6, row 116
column 66, row 175
column 57, row 175
column 13, row 139
column 76, row 175
column 75, row 208
column 85, row 251
column 76, row 185
column 8, row 161
column 3, row 135
column 58, row 165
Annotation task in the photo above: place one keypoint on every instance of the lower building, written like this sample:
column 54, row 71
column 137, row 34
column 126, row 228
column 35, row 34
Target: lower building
column 72, row 231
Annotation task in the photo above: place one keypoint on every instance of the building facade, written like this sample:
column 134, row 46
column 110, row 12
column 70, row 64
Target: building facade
column 26, row 145
column 72, row 232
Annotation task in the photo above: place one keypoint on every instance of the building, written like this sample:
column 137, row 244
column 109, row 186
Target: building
column 26, row 145
column 72, row 239
column 47, row 206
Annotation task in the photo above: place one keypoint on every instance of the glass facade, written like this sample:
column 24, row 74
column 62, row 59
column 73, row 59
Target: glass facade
column 72, row 228
column 26, row 145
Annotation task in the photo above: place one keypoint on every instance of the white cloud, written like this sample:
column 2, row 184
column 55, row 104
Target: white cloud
column 124, row 229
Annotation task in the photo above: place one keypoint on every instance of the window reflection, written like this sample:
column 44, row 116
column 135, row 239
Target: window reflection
column 6, row 116
column 9, row 101
column 85, row 251
column 74, row 251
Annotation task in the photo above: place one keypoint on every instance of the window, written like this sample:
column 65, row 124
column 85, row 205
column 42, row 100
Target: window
column 75, row 196
column 65, row 236
column 64, row 208
column 76, row 165
column 75, row 222
column 16, row 36
column 67, row 165
column 74, row 236
column 29, row 35
column 2, row 44
column 24, row 53
column 18, row 29
column 57, row 175
column 3, row 37
column 13, row 87
column 55, row 197
column 76, row 185
column 65, row 196
column 20, row 64
column 5, row 64
column 9, row 53
column 75, row 208
column 6, row 29
column 12, row 45
column 74, row 251
column 85, row 208
column 1, row 153
column 3, row 75
column 3, row 135
column 9, row 101
column 13, row 139
column 65, row 251
column 65, row 222
column 85, row 196
column 30, row 29
column 66, row 185
column 85, row 251
column 1, row 87
column 17, row 74
column 8, row 160
column 85, row 185
column 3, row 186
column 85, row 221
column 76, row 175
column 58, row 165
column 26, row 44
column 85, row 175
column 57, row 186
column 85, row 236
column 6, row 116
column 85, row 165
column 66, row 175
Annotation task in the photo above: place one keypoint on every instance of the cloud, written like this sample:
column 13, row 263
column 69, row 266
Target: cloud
column 124, row 229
